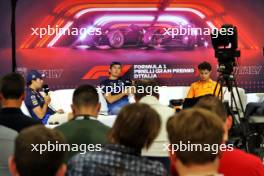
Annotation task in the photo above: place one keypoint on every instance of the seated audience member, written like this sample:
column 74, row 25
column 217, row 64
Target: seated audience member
column 235, row 162
column 84, row 128
column 37, row 105
column 7, row 138
column 143, row 95
column 112, row 89
column 196, row 129
column 30, row 161
column 205, row 85
column 12, row 88
column 136, row 127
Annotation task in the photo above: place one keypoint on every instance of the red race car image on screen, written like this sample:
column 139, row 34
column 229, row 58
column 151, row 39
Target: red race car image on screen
column 157, row 37
column 117, row 37
column 147, row 36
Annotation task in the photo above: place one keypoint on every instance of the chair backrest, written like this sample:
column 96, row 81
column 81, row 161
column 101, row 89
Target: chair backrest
column 242, row 94
column 174, row 92
column 24, row 109
column 102, row 101
column 255, row 97
column 62, row 99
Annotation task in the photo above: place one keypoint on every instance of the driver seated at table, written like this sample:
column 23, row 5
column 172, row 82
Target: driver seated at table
column 205, row 85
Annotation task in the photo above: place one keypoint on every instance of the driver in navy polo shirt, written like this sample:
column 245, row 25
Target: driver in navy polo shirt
column 37, row 105
column 114, row 90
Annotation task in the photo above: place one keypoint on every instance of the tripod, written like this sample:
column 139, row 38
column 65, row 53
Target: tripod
column 229, row 81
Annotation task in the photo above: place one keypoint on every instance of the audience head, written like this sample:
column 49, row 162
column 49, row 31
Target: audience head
column 35, row 79
column 215, row 105
column 205, row 70
column 85, row 101
column 29, row 162
column 12, row 87
column 136, row 126
column 146, row 87
column 195, row 126
column 115, row 69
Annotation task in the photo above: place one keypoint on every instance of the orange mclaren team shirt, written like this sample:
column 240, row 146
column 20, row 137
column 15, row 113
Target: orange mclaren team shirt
column 201, row 88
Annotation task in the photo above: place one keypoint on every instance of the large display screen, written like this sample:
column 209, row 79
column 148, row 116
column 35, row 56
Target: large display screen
column 74, row 41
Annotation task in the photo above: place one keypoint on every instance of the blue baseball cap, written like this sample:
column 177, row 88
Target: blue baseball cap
column 34, row 74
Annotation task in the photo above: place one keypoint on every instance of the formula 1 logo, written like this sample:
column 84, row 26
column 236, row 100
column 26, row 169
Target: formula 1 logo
column 101, row 71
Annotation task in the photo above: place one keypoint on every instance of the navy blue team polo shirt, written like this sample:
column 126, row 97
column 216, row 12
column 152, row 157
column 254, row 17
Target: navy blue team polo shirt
column 116, row 86
column 34, row 99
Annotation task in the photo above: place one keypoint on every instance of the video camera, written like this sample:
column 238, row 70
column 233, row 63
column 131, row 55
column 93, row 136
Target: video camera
column 225, row 43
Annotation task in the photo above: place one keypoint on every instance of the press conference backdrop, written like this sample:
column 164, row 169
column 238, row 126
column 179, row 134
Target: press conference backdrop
column 73, row 42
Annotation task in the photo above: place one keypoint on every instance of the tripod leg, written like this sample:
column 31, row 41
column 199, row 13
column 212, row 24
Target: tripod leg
column 239, row 98
column 230, row 84
column 220, row 90
column 217, row 83
column 236, row 105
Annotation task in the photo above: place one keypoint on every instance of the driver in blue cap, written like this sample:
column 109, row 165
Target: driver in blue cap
column 37, row 105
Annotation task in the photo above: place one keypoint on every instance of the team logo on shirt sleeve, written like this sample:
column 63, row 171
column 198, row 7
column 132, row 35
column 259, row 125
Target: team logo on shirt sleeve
column 34, row 100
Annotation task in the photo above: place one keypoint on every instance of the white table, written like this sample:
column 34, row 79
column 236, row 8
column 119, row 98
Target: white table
column 108, row 120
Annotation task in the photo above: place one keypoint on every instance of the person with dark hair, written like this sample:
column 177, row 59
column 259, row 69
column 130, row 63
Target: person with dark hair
column 84, row 128
column 114, row 90
column 146, row 87
column 196, row 128
column 136, row 127
column 205, row 85
column 37, row 105
column 12, row 94
column 147, row 91
column 30, row 161
column 235, row 162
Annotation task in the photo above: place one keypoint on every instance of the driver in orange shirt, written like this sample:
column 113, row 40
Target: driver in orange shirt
column 205, row 85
